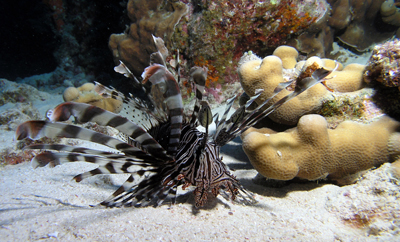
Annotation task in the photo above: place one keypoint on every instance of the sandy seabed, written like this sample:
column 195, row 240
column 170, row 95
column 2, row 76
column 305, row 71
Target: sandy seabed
column 45, row 204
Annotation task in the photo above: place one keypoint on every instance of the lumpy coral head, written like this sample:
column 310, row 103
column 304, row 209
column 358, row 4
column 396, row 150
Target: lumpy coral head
column 87, row 94
column 149, row 17
column 312, row 151
column 267, row 74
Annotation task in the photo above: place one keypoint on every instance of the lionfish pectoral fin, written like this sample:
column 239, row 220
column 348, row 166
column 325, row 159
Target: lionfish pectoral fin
column 322, row 73
column 301, row 86
column 221, row 125
column 112, row 200
column 282, row 86
column 87, row 113
column 258, row 92
column 43, row 159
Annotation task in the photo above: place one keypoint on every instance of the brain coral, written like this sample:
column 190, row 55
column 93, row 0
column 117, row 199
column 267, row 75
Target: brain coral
column 267, row 73
column 312, row 151
column 87, row 94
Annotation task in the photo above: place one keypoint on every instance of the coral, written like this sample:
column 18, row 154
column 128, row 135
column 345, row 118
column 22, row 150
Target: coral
column 87, row 94
column 383, row 73
column 312, row 151
column 288, row 56
column 347, row 80
column 268, row 73
column 384, row 64
column 346, row 106
column 390, row 13
column 57, row 7
column 11, row 92
column 217, row 33
column 154, row 17
column 361, row 32
column 356, row 23
column 14, row 116
column 395, row 169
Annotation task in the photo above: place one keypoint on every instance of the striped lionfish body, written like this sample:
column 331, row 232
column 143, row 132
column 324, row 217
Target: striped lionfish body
column 166, row 153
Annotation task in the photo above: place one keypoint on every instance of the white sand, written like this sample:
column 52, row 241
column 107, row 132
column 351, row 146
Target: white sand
column 47, row 205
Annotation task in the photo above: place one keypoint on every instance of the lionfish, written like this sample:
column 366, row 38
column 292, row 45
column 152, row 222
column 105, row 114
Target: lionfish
column 169, row 152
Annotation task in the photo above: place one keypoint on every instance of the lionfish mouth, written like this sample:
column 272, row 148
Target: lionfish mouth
column 167, row 150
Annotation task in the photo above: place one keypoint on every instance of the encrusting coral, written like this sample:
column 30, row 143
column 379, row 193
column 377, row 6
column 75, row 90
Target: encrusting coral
column 384, row 64
column 390, row 13
column 256, row 73
column 87, row 94
column 383, row 73
column 356, row 23
column 150, row 17
column 312, row 151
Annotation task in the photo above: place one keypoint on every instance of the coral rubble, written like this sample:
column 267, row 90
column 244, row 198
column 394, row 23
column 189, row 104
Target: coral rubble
column 312, row 151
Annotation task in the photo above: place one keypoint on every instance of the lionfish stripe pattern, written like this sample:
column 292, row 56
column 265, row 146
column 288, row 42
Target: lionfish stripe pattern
column 166, row 152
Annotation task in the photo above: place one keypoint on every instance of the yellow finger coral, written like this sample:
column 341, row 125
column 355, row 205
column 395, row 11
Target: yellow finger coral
column 312, row 151
column 86, row 94
column 267, row 73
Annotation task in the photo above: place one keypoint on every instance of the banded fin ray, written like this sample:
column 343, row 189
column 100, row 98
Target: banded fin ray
column 38, row 129
column 221, row 124
column 164, row 81
column 66, row 149
column 150, row 191
column 199, row 76
column 87, row 113
column 134, row 103
column 106, row 165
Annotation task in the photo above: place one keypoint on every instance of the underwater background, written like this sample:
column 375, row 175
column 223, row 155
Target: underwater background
column 324, row 166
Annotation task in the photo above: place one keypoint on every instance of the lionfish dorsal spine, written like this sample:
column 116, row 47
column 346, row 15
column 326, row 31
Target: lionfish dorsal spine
column 198, row 75
column 159, row 76
column 205, row 119
column 162, row 51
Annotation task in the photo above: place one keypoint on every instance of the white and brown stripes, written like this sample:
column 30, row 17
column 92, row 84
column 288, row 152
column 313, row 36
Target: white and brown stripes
column 159, row 76
column 38, row 129
column 199, row 76
column 87, row 113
